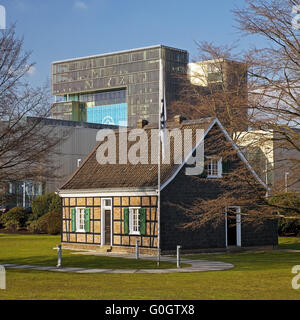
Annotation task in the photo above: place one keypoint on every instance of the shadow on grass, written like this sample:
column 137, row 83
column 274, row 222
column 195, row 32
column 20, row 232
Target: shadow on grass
column 254, row 261
column 290, row 243
column 100, row 262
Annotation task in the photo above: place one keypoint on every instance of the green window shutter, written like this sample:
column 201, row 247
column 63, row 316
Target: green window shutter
column 87, row 220
column 73, row 220
column 126, row 220
column 225, row 167
column 142, row 220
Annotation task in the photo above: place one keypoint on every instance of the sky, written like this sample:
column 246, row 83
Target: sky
column 63, row 29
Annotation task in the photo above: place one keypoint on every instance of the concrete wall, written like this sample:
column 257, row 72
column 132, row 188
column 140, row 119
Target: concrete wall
column 287, row 160
column 76, row 141
column 76, row 144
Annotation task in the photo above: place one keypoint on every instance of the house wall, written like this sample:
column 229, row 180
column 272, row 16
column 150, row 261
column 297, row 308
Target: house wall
column 120, row 239
column 180, row 195
column 182, row 192
column 260, row 235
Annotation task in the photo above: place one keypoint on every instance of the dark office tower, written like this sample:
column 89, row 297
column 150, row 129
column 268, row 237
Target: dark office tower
column 116, row 88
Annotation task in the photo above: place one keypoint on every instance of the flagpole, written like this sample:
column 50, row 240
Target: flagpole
column 158, row 171
column 158, row 200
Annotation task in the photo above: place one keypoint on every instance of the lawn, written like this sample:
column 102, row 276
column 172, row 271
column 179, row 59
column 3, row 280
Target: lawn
column 257, row 275
column 38, row 250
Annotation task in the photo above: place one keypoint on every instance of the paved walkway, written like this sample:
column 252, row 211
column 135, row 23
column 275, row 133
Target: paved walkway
column 196, row 266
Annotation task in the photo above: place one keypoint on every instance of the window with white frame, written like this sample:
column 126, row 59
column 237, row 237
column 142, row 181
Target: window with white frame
column 107, row 202
column 214, row 168
column 134, row 220
column 80, row 226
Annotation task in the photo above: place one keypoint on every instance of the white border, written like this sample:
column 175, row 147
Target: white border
column 90, row 194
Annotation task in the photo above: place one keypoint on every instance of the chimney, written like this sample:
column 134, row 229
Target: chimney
column 142, row 123
column 179, row 118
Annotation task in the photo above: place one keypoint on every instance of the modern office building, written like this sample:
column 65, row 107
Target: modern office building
column 116, row 88
column 274, row 160
column 226, row 82
column 220, row 71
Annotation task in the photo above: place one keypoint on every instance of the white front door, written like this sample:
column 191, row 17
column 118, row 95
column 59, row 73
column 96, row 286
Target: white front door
column 106, row 221
column 233, row 226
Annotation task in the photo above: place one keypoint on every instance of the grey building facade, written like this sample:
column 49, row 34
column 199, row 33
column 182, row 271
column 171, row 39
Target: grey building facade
column 77, row 139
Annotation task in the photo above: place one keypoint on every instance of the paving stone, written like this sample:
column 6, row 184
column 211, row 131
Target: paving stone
column 196, row 266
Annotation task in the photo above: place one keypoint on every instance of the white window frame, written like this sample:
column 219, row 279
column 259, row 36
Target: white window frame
column 220, row 169
column 78, row 210
column 131, row 231
column 238, row 226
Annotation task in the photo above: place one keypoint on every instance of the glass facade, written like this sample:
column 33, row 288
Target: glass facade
column 23, row 193
column 115, row 114
column 69, row 110
column 103, row 98
column 129, row 77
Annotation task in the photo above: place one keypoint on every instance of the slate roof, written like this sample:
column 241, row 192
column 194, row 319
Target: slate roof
column 92, row 175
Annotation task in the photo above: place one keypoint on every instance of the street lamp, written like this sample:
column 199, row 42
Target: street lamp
column 24, row 194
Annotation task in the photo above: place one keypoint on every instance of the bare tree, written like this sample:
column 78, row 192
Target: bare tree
column 274, row 72
column 24, row 142
column 215, row 86
column 237, row 187
column 271, row 95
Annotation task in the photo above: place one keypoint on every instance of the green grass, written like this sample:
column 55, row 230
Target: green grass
column 289, row 243
column 38, row 250
column 257, row 275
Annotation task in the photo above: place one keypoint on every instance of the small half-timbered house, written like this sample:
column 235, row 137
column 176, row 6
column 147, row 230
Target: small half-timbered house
column 111, row 206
